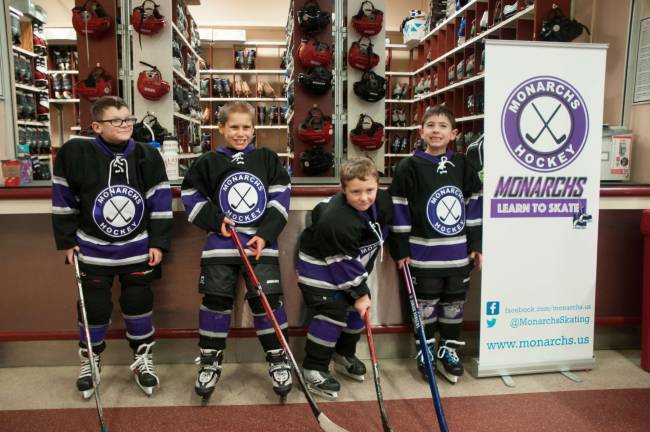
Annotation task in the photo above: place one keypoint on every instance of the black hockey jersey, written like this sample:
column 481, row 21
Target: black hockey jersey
column 437, row 208
column 338, row 249
column 113, row 205
column 250, row 187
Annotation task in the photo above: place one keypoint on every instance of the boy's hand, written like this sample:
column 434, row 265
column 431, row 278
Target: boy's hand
column 69, row 254
column 400, row 263
column 224, row 227
column 155, row 256
column 362, row 304
column 477, row 257
column 256, row 245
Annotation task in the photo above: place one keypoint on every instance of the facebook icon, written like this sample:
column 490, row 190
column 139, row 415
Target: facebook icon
column 493, row 308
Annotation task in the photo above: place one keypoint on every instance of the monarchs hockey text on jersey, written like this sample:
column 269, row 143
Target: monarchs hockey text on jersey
column 337, row 250
column 437, row 211
column 249, row 187
column 114, row 202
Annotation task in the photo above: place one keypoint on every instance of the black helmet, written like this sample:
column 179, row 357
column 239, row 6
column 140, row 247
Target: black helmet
column 371, row 87
column 318, row 80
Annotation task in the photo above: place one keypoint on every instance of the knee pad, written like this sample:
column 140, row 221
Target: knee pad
column 451, row 312
column 217, row 303
column 428, row 310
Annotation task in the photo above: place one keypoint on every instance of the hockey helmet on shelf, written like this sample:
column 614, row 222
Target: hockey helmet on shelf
column 414, row 27
column 314, row 53
column 316, row 161
column 97, row 84
column 147, row 19
column 150, row 83
column 312, row 19
column 368, row 134
column 316, row 128
column 318, row 80
column 371, row 87
column 361, row 55
column 91, row 20
column 369, row 20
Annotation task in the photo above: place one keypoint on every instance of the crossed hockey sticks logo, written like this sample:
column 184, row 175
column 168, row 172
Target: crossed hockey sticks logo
column 242, row 198
column 119, row 212
column 450, row 212
column 546, row 122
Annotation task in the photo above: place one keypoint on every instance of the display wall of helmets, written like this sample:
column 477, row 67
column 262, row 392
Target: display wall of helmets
column 32, row 107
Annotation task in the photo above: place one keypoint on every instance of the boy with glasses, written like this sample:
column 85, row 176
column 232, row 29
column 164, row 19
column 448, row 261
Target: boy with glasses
column 112, row 205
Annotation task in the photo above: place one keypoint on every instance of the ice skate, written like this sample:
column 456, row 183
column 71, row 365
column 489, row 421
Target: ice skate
column 449, row 364
column 85, row 380
column 431, row 346
column 350, row 366
column 280, row 371
column 209, row 373
column 322, row 384
column 143, row 369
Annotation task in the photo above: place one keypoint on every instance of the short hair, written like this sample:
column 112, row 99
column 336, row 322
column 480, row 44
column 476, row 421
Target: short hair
column 358, row 168
column 103, row 103
column 439, row 110
column 236, row 107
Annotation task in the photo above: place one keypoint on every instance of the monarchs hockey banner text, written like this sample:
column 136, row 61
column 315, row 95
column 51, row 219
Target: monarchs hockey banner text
column 543, row 128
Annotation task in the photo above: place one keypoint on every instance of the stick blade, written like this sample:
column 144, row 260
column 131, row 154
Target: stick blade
column 328, row 425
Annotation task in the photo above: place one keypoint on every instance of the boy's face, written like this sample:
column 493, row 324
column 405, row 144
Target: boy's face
column 238, row 130
column 361, row 194
column 114, row 134
column 437, row 133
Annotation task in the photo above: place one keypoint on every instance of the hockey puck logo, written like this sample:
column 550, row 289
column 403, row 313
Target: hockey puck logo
column 545, row 123
column 242, row 197
column 446, row 210
column 118, row 210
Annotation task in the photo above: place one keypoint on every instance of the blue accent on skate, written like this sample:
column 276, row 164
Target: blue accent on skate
column 97, row 333
column 214, row 323
column 139, row 326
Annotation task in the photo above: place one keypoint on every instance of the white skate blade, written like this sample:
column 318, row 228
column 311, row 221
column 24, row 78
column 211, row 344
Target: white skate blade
column 449, row 377
column 342, row 370
column 87, row 394
column 147, row 390
column 324, row 394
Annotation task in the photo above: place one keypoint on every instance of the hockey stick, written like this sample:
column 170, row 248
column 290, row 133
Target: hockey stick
column 419, row 329
column 91, row 356
column 545, row 127
column 324, row 422
column 375, row 375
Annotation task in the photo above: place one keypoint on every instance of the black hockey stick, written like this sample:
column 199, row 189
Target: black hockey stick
column 324, row 422
column 375, row 375
column 426, row 355
column 546, row 127
column 89, row 346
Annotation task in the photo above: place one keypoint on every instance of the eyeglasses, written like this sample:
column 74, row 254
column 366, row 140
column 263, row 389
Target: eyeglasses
column 129, row 121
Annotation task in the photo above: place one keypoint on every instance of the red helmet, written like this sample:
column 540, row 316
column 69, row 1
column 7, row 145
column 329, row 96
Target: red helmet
column 97, row 84
column 369, row 135
column 91, row 19
column 150, row 83
column 361, row 56
column 314, row 53
column 147, row 19
column 316, row 128
column 368, row 20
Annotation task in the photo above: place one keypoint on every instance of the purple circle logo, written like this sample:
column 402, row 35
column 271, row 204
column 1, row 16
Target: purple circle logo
column 118, row 210
column 446, row 210
column 545, row 123
column 242, row 197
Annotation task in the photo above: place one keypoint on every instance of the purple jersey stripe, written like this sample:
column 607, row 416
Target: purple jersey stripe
column 62, row 196
column 439, row 252
column 114, row 252
column 214, row 321
column 324, row 330
column 281, row 197
column 191, row 200
column 354, row 321
column 97, row 333
column 314, row 271
column 140, row 325
column 347, row 271
column 474, row 209
column 401, row 215
column 161, row 200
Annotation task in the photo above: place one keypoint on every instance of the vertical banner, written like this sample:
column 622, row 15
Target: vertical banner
column 544, row 105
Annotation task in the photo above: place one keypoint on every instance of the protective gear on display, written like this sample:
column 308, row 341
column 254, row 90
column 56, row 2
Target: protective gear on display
column 368, row 134
column 150, row 83
column 368, row 21
column 371, row 87
column 312, row 19
column 414, row 27
column 316, row 161
column 91, row 20
column 314, row 53
column 316, row 128
column 97, row 84
column 147, row 19
column 318, row 80
column 361, row 55
column 557, row 27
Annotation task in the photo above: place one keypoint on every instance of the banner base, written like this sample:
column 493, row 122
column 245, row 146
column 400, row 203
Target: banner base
column 483, row 371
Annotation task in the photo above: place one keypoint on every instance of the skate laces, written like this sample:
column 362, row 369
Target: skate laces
column 144, row 360
column 449, row 352
column 209, row 361
column 86, row 369
column 430, row 346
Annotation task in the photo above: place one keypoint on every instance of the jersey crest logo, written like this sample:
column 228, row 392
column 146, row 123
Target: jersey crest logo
column 118, row 210
column 242, row 197
column 446, row 210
